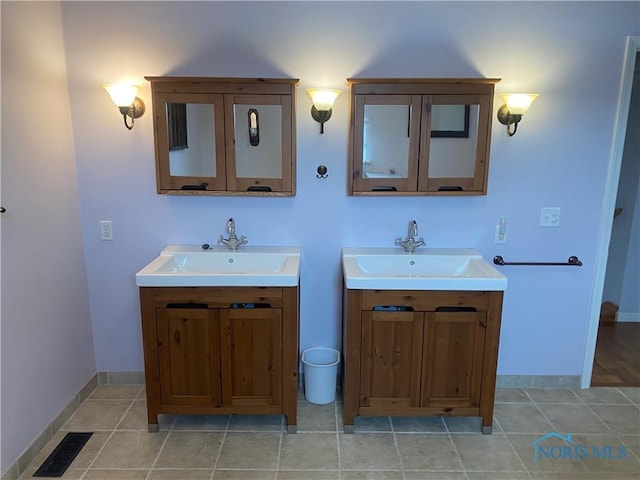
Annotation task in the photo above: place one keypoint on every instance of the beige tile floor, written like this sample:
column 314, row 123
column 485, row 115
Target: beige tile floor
column 255, row 447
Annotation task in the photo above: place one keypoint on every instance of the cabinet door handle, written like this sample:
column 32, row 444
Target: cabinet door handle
column 456, row 309
column 2, row 209
column 202, row 186
column 392, row 308
column 250, row 305
column 187, row 305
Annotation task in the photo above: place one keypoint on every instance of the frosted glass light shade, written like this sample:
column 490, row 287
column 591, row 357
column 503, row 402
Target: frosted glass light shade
column 122, row 94
column 519, row 103
column 323, row 99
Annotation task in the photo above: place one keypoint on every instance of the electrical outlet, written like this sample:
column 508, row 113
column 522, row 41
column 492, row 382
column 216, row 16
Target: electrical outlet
column 550, row 217
column 106, row 230
column 501, row 231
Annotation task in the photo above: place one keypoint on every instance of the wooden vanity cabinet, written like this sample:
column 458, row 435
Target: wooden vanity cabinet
column 415, row 353
column 212, row 350
column 224, row 136
column 421, row 136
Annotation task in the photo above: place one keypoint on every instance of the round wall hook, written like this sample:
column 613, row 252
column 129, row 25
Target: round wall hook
column 322, row 171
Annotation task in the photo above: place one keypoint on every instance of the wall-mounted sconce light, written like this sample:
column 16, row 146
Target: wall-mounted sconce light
column 515, row 107
column 323, row 100
column 124, row 96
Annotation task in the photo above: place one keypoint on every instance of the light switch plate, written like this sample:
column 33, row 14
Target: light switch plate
column 550, row 217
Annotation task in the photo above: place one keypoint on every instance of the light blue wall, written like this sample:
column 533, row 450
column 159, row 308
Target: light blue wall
column 570, row 53
column 46, row 350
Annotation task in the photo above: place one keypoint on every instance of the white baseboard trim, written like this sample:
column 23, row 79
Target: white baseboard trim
column 538, row 381
column 21, row 464
column 121, row 378
column 100, row 378
column 627, row 316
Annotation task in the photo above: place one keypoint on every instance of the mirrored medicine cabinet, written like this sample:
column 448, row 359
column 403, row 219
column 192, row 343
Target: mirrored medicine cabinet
column 224, row 136
column 420, row 136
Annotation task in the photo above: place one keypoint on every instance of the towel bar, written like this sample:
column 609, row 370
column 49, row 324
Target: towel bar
column 572, row 262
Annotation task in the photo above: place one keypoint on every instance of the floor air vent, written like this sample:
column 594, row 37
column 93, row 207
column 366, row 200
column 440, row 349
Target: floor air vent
column 57, row 463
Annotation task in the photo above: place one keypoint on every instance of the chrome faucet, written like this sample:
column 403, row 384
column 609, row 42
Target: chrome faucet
column 232, row 242
column 410, row 243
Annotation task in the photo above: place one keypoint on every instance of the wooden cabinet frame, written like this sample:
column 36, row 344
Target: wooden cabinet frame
column 422, row 361
column 202, row 356
column 420, row 94
column 223, row 94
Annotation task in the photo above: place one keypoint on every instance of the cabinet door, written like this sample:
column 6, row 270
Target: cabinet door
column 391, row 357
column 452, row 359
column 385, row 148
column 258, row 143
column 454, row 143
column 251, row 356
column 189, row 130
column 189, row 356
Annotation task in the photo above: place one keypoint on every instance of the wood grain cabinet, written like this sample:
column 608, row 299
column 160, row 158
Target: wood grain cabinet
column 220, row 350
column 224, row 136
column 414, row 353
column 422, row 136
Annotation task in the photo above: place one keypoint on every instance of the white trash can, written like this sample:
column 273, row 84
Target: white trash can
column 320, row 374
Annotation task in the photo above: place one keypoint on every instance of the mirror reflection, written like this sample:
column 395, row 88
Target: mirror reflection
column 454, row 138
column 191, row 128
column 258, row 137
column 192, row 148
column 452, row 148
column 450, row 121
column 385, row 149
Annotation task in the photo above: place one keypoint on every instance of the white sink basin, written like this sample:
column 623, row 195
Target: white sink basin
column 191, row 266
column 425, row 269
